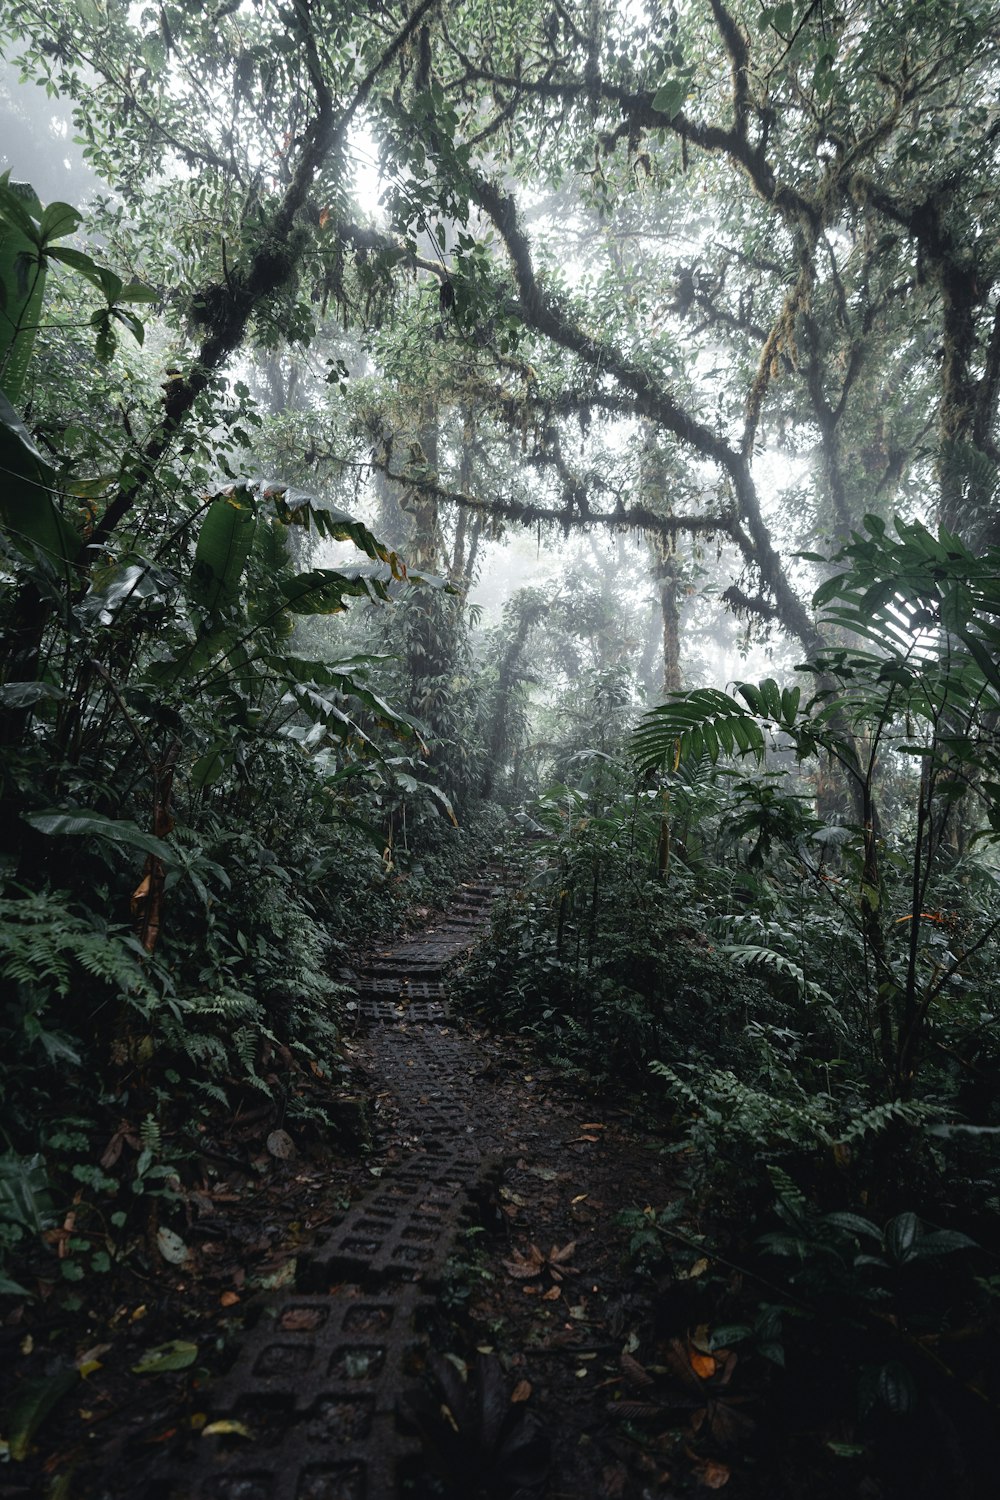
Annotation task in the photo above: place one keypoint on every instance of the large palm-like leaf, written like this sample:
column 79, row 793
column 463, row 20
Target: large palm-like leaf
column 708, row 723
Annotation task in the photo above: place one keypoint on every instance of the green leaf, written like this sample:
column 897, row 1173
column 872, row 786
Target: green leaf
column 670, row 96
column 59, row 219
column 77, row 260
column 324, row 591
column 901, row 1236
column 26, row 694
column 293, row 508
column 690, row 725
column 790, row 699
column 137, row 291
column 24, row 1192
column 224, row 544
column 896, row 1388
column 942, row 1242
column 9, row 1288
column 33, row 1401
column 854, row 1224
column 22, row 285
column 178, row 1354
column 27, row 508
column 210, row 767
column 87, row 824
column 15, row 212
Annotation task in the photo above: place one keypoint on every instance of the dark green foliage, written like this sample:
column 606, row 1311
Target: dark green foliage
column 193, row 815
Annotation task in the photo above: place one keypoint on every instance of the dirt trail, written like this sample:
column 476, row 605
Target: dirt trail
column 470, row 1135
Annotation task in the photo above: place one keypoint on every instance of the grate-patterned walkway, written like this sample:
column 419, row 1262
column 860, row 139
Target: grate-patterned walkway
column 316, row 1381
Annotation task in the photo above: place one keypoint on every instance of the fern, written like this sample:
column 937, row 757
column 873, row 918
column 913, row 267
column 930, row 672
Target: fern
column 150, row 1135
column 751, row 955
column 881, row 1117
column 791, row 1203
column 44, row 945
column 211, row 1090
column 727, row 1109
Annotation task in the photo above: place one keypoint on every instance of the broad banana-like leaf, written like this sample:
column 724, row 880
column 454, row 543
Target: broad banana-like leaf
column 342, row 676
column 293, row 508
column 224, row 543
column 28, row 510
column 323, row 591
column 415, row 784
column 84, row 823
column 22, row 283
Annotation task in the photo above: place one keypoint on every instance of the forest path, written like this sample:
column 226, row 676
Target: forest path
column 340, row 1386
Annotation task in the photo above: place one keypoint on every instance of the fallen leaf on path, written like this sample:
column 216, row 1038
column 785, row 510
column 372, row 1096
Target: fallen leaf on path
column 171, row 1246
column 521, row 1392
column 178, row 1354
column 523, row 1267
column 526, row 1267
column 613, row 1481
column 281, row 1145
column 712, row 1475
column 629, row 1411
column 226, row 1429
column 300, row 1319
column 633, row 1371
column 273, row 1280
column 229, row 1299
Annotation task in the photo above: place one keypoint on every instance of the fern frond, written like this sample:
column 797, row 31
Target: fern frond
column 750, row 955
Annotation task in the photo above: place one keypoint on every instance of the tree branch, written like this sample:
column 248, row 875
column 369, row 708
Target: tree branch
column 270, row 268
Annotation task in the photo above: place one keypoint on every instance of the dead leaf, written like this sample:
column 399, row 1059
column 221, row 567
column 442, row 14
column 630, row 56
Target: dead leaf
column 113, row 1149
column 281, row 1145
column 701, row 1338
column 703, row 1365
column 521, row 1392
column 301, row 1319
column 522, row 1267
column 553, row 1294
column 630, row 1410
column 729, row 1427
column 613, row 1481
column 229, row 1299
column 712, row 1475
column 171, row 1246
column 633, row 1371
column 676, row 1359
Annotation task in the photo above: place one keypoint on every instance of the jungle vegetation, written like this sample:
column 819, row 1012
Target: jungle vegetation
column 703, row 298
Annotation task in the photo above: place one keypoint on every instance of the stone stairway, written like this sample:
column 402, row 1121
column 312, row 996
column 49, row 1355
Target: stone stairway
column 308, row 1410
